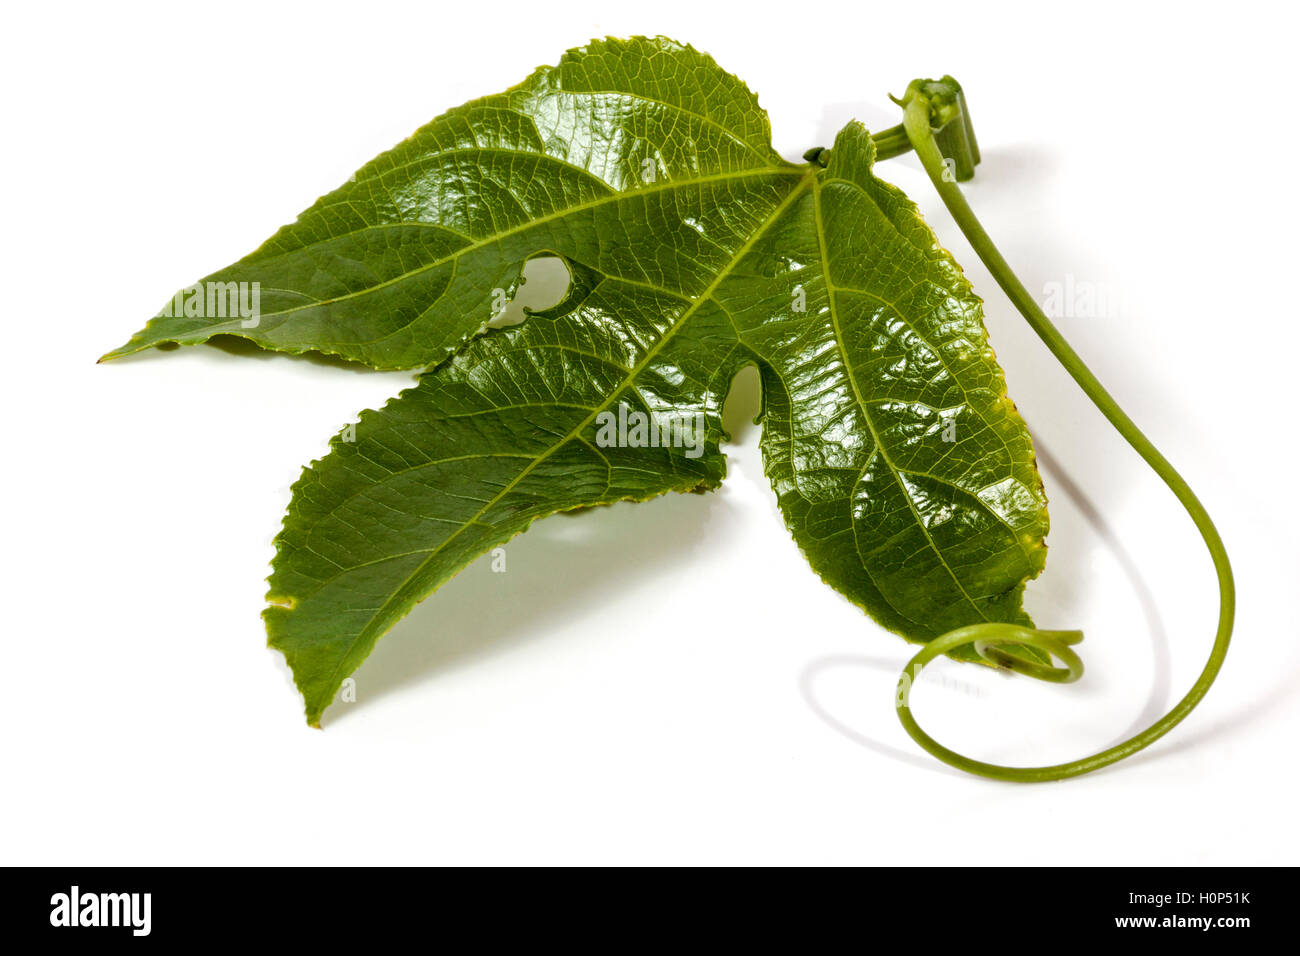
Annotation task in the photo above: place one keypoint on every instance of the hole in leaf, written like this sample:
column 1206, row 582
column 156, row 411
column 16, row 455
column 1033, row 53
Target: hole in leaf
column 743, row 403
column 545, row 281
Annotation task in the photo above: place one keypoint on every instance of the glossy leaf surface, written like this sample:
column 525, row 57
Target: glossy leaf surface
column 903, row 471
column 631, row 145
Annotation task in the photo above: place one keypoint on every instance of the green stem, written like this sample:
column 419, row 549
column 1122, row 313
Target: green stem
column 925, row 103
column 891, row 142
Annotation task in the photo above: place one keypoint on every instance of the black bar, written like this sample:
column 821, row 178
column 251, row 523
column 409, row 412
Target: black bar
column 925, row 904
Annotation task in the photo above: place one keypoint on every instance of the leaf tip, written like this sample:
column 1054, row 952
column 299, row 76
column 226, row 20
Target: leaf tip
column 130, row 348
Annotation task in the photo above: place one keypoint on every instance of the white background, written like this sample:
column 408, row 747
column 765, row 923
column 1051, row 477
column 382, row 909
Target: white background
column 664, row 682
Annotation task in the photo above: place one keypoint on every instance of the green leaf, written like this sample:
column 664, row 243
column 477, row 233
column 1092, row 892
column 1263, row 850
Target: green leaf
column 503, row 434
column 610, row 150
column 902, row 469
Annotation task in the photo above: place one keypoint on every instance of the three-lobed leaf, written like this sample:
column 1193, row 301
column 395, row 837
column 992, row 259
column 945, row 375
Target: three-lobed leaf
column 902, row 469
